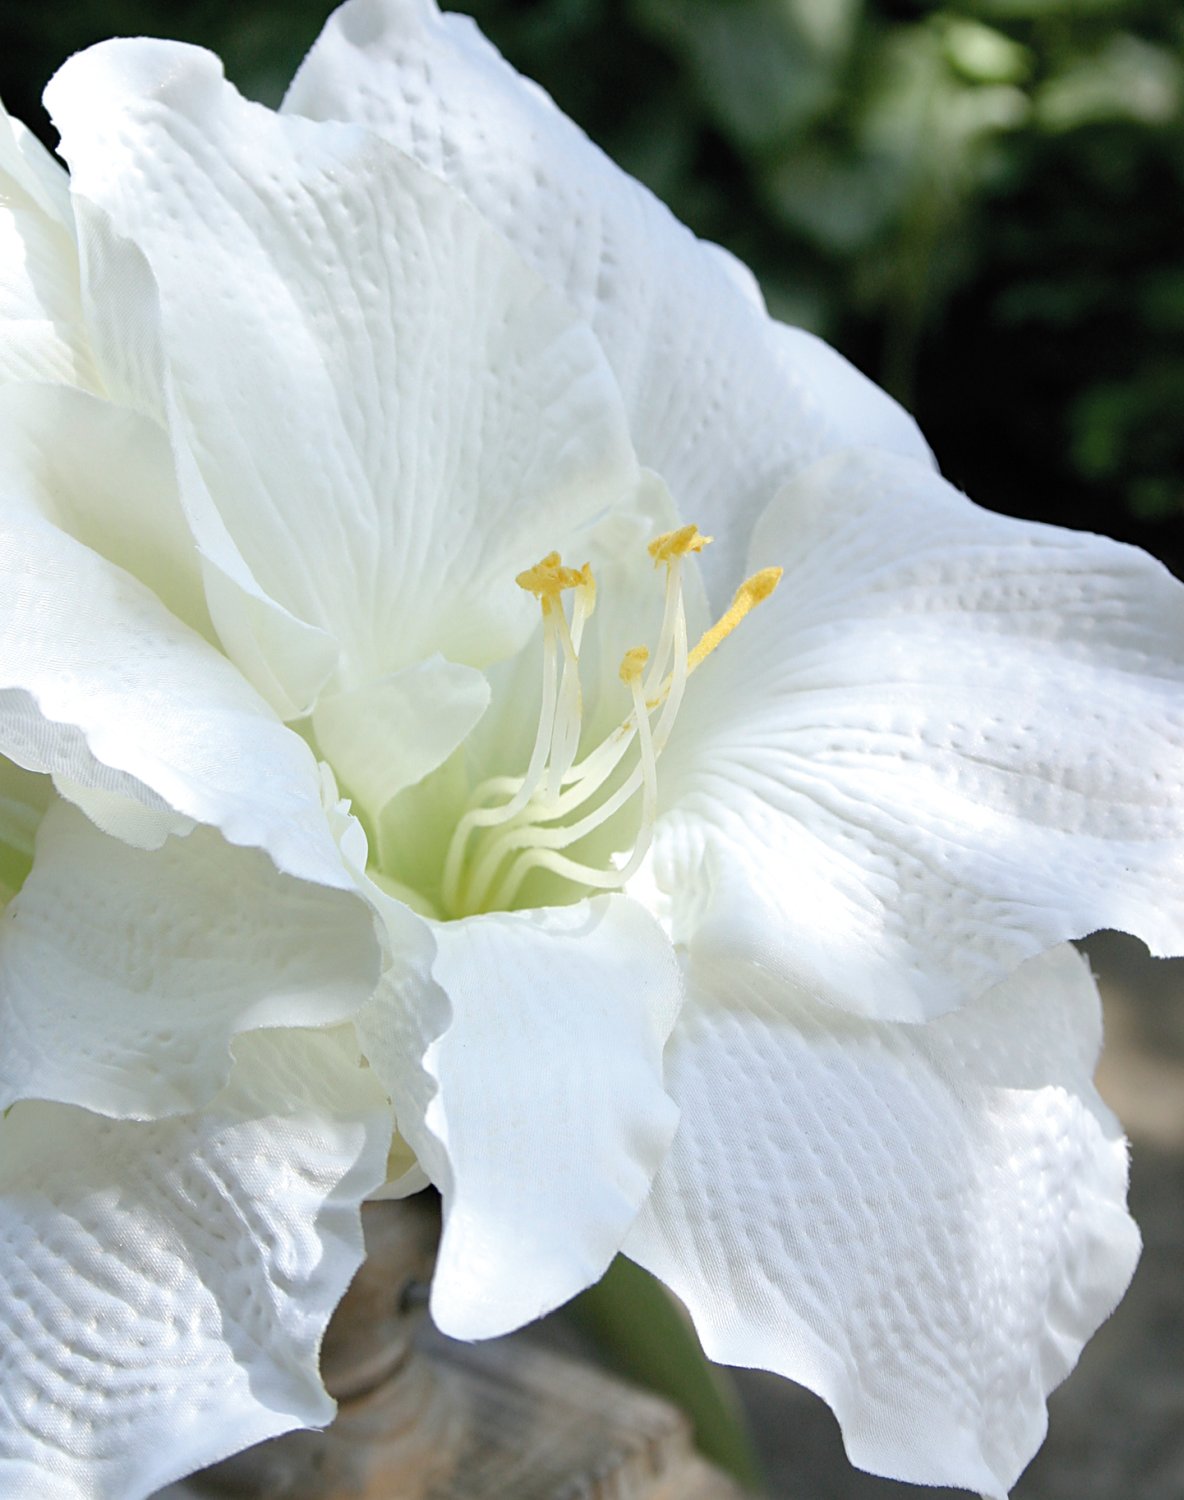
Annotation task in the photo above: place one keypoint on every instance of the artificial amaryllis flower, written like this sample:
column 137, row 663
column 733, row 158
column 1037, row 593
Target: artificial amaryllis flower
column 482, row 703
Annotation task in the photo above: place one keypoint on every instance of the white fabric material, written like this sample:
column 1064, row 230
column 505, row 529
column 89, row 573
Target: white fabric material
column 125, row 975
column 392, row 413
column 539, row 1110
column 165, row 1286
column 284, row 658
column 949, row 741
column 41, row 327
column 104, row 475
column 923, row 1224
column 390, row 734
column 722, row 402
column 102, row 686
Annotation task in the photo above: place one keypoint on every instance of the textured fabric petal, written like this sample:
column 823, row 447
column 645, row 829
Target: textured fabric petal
column 538, row 1109
column 125, row 975
column 31, row 172
column 386, row 736
column 284, row 658
column 165, row 1286
column 722, row 402
column 41, row 326
column 923, row 1224
column 102, row 686
column 949, row 741
column 105, row 475
column 393, row 414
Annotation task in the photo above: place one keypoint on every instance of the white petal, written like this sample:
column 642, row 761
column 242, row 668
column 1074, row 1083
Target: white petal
column 538, row 1110
column 392, row 413
column 285, row 659
column 949, row 741
column 923, row 1224
column 41, row 325
column 30, row 170
column 388, row 735
column 166, row 1286
column 105, row 475
column 102, row 686
column 125, row 975
column 858, row 413
column 722, row 402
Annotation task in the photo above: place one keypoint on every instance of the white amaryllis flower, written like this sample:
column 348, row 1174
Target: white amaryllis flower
column 703, row 904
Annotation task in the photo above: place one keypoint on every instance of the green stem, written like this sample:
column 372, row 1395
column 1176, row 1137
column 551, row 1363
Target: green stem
column 640, row 1330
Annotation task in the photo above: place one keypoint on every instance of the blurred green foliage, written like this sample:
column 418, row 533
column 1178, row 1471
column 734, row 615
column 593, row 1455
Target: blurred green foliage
column 981, row 202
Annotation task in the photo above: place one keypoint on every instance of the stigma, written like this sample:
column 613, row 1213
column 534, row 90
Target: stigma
column 514, row 826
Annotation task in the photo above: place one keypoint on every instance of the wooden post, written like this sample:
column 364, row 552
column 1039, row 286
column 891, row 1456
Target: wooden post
column 422, row 1417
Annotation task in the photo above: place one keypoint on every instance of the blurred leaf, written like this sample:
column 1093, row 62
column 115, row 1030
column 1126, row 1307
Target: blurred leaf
column 661, row 147
column 983, row 55
column 1100, row 419
column 1160, row 300
column 1128, row 79
column 841, row 199
column 922, row 110
column 764, row 67
column 1057, row 302
column 1157, row 499
column 1044, row 10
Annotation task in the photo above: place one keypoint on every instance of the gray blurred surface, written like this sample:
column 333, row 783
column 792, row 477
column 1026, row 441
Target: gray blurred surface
column 1117, row 1424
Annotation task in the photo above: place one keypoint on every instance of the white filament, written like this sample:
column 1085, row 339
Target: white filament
column 555, row 788
column 555, row 785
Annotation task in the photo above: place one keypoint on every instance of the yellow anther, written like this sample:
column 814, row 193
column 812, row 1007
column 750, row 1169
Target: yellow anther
column 751, row 592
column 549, row 578
column 672, row 544
column 633, row 663
column 534, row 580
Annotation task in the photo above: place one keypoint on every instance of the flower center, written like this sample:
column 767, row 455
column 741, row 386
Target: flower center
column 514, row 825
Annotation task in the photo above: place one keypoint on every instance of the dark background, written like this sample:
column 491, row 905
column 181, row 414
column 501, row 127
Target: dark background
column 981, row 204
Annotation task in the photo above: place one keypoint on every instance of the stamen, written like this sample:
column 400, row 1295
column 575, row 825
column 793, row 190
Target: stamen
column 752, row 591
column 554, row 787
column 534, row 857
column 585, row 605
column 633, row 664
column 565, row 734
column 593, row 771
column 598, row 766
column 565, row 740
column 661, row 660
column 547, row 580
column 537, row 842
column 670, row 548
column 672, row 544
